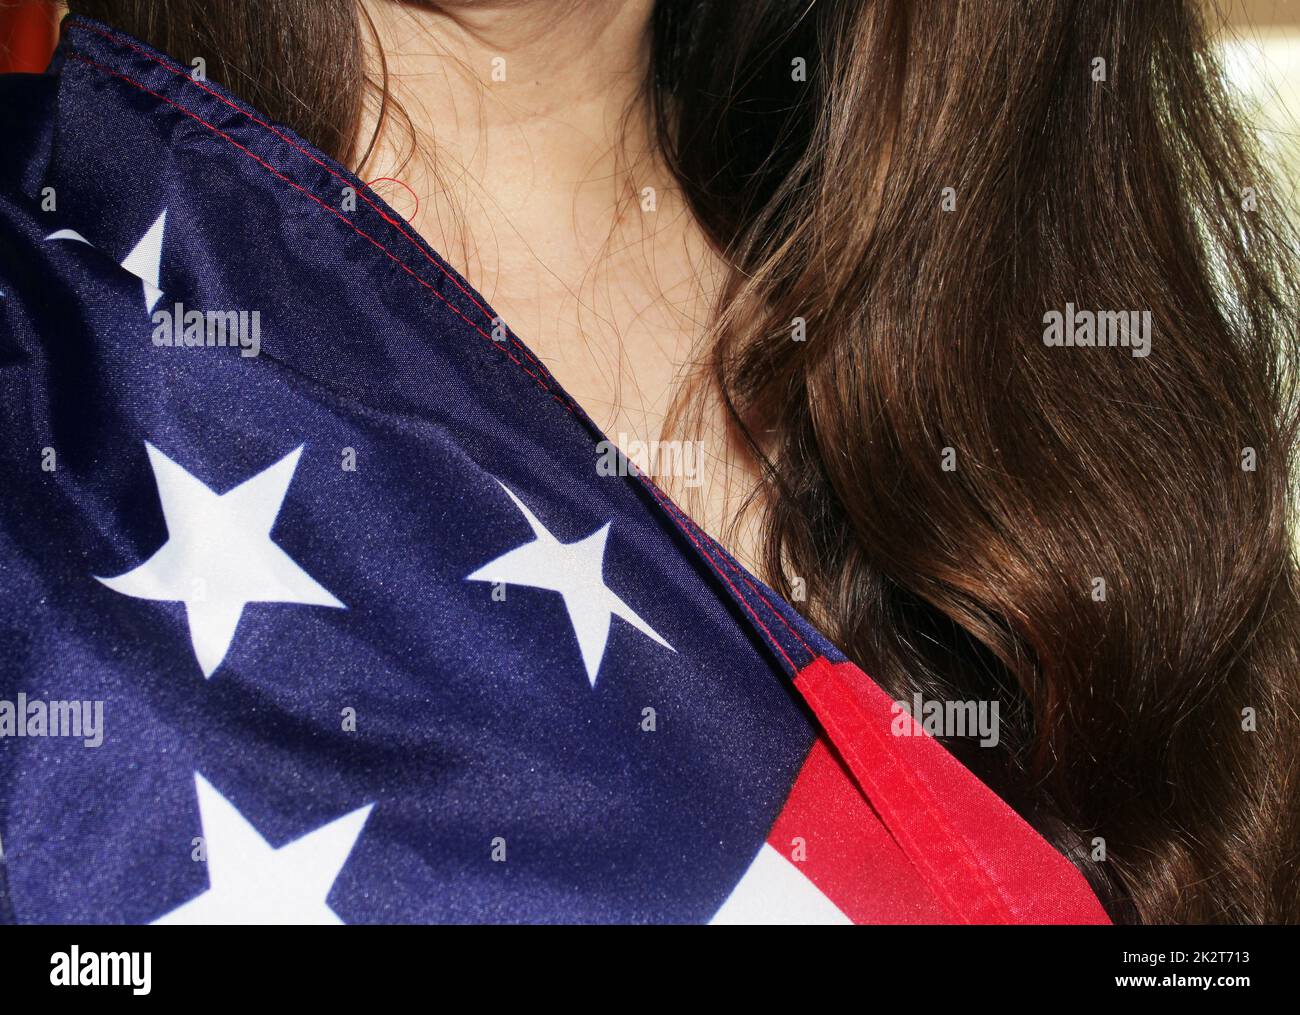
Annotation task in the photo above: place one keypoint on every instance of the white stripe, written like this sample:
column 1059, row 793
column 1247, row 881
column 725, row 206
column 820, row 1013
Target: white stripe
column 774, row 890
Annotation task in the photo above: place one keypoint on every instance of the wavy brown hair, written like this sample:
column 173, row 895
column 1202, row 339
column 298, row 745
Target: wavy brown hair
column 950, row 488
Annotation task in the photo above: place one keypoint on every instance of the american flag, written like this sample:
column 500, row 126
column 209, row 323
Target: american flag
column 373, row 640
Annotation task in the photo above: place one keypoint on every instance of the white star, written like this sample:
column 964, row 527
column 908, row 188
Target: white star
column 143, row 261
column 576, row 571
column 253, row 883
column 219, row 556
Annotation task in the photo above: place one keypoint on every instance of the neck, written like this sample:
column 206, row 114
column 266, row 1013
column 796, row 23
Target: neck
column 518, row 107
column 516, row 61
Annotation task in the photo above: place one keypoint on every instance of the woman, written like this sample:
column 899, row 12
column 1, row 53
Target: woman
column 966, row 326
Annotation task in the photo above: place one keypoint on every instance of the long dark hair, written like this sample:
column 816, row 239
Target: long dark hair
column 1101, row 541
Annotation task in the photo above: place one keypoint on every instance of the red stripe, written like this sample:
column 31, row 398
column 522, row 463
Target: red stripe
column 829, row 831
column 968, row 850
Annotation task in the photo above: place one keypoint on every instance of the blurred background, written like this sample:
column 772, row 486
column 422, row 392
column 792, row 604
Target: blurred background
column 26, row 36
column 1260, row 42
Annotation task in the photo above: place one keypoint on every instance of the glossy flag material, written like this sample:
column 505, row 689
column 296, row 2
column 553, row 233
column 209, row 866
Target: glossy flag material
column 372, row 638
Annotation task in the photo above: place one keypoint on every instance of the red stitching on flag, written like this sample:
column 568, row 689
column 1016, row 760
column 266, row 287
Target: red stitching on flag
column 118, row 40
column 688, row 522
column 337, row 214
column 671, row 509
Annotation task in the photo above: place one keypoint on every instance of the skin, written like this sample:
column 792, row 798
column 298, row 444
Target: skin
column 534, row 186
